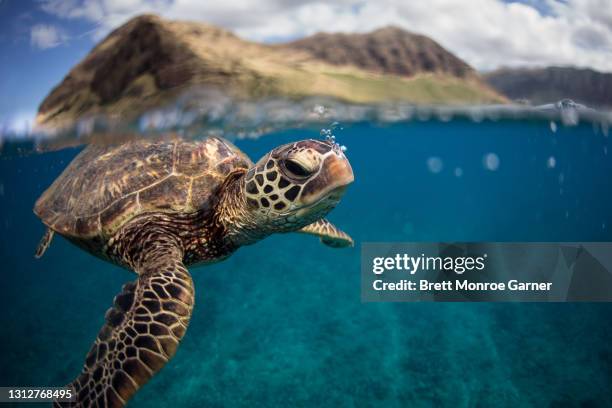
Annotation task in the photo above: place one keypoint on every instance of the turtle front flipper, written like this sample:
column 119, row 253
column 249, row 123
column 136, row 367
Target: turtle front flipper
column 329, row 234
column 142, row 330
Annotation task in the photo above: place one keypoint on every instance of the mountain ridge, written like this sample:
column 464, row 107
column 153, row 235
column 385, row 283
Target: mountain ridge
column 550, row 84
column 389, row 50
column 149, row 60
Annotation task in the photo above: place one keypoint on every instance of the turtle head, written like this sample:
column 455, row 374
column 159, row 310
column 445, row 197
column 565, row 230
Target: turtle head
column 297, row 184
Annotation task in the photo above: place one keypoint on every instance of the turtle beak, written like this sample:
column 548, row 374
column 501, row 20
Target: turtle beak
column 340, row 174
column 331, row 182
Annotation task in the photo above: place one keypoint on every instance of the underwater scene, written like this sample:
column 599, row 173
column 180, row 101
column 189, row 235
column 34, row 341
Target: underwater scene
column 281, row 323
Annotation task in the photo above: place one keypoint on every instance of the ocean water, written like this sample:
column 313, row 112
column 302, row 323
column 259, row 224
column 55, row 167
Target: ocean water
column 281, row 322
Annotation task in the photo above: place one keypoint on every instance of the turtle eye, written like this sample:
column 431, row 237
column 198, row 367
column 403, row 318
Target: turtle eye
column 296, row 169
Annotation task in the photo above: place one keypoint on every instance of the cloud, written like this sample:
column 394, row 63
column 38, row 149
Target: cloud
column 45, row 36
column 486, row 33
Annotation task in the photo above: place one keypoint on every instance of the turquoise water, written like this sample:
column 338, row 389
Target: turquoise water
column 281, row 323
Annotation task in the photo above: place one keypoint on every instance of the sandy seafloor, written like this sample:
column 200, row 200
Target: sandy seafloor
column 281, row 323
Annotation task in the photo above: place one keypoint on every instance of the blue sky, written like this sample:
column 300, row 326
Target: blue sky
column 41, row 40
column 27, row 72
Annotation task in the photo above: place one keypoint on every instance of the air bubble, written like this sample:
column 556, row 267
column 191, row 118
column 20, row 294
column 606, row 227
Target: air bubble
column 319, row 110
column 491, row 161
column 553, row 126
column 568, row 110
column 435, row 165
column 328, row 135
column 551, row 162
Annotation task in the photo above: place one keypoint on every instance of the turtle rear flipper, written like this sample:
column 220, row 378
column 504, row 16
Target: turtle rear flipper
column 329, row 234
column 142, row 330
column 44, row 243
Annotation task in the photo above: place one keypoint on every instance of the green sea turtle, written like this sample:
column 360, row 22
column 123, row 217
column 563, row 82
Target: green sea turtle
column 156, row 207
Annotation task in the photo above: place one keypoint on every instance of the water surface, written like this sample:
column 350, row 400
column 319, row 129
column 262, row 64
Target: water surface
column 281, row 323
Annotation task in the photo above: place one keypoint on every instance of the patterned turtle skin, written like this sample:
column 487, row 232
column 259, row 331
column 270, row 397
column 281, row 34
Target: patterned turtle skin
column 156, row 207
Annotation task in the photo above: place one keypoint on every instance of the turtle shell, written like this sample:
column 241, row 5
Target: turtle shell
column 106, row 186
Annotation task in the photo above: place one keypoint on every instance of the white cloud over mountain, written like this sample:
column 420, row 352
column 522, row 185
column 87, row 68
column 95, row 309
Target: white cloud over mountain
column 45, row 36
column 486, row 33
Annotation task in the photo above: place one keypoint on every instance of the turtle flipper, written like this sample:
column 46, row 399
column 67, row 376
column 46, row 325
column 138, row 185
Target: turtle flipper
column 142, row 331
column 44, row 243
column 329, row 234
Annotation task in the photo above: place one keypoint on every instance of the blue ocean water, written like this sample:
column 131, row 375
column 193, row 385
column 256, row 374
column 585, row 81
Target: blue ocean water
column 281, row 322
